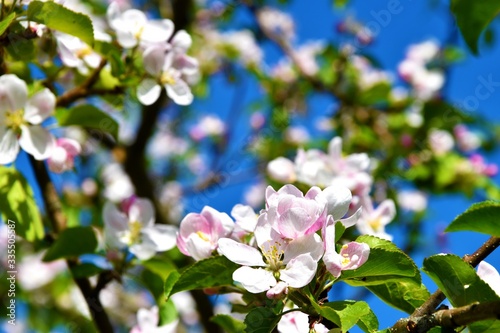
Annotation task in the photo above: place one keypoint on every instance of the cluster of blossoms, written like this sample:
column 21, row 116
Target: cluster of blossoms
column 315, row 167
column 279, row 248
column 163, row 54
column 21, row 126
column 415, row 70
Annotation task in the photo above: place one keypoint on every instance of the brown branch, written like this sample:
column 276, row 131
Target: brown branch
column 85, row 89
column 426, row 309
column 450, row 318
column 58, row 223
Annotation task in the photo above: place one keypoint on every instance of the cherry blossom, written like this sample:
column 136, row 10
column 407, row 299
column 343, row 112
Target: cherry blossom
column 293, row 262
column 20, row 120
column 198, row 233
column 132, row 27
column 372, row 221
column 62, row 158
column 159, row 62
column 352, row 255
column 134, row 227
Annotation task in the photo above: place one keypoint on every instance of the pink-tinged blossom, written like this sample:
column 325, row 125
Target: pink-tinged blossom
column 369, row 76
column 414, row 201
column 481, row 167
column 63, row 155
column 208, row 126
column 372, row 221
column 314, row 167
column 490, row 275
column 293, row 214
column 33, row 273
column 413, row 69
column 293, row 262
column 148, row 320
column 467, row 140
column 198, row 233
column 440, row 141
column 159, row 63
column 134, row 227
column 245, row 218
column 297, row 135
column 305, row 56
column 132, row 27
column 282, row 170
column 20, row 120
column 298, row 322
column 352, row 255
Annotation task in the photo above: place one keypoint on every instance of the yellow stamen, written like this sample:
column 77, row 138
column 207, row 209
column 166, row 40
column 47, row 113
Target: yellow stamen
column 203, row 236
column 14, row 120
column 167, row 78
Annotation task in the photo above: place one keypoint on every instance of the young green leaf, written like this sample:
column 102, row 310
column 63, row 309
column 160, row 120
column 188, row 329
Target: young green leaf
column 261, row 320
column 458, row 280
column 211, row 272
column 88, row 116
column 5, row 23
column 72, row 242
column 403, row 294
column 480, row 217
column 347, row 314
column 473, row 17
column 18, row 205
column 58, row 17
column 228, row 323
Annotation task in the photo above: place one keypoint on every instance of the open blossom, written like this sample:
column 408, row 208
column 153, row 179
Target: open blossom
column 20, row 120
column 134, row 227
column 63, row 155
column 198, row 233
column 440, row 141
column 490, row 275
column 293, row 262
column 159, row 61
column 282, row 170
column 148, row 320
column 372, row 220
column 352, row 255
column 132, row 27
column 298, row 322
column 75, row 53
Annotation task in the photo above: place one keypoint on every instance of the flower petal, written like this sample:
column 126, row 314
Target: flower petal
column 9, row 147
column 142, row 210
column 310, row 244
column 338, row 199
column 255, row 280
column 37, row 141
column 148, row 91
column 162, row 236
column 179, row 92
column 157, row 31
column 40, row 106
column 143, row 251
column 239, row 253
column 154, row 59
column 13, row 93
column 490, row 275
column 299, row 271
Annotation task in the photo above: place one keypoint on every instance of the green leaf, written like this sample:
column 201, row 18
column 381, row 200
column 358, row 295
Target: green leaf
column 473, row 17
column 228, row 323
column 211, row 272
column 88, row 116
column 168, row 312
column 160, row 266
column 485, row 326
column 5, row 23
column 261, row 320
column 385, row 263
column 347, row 314
column 480, row 217
column 72, row 242
column 458, row 280
column 404, row 294
column 18, row 206
column 85, row 270
column 60, row 18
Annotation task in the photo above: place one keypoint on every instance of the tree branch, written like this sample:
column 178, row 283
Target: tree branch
column 58, row 223
column 426, row 309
